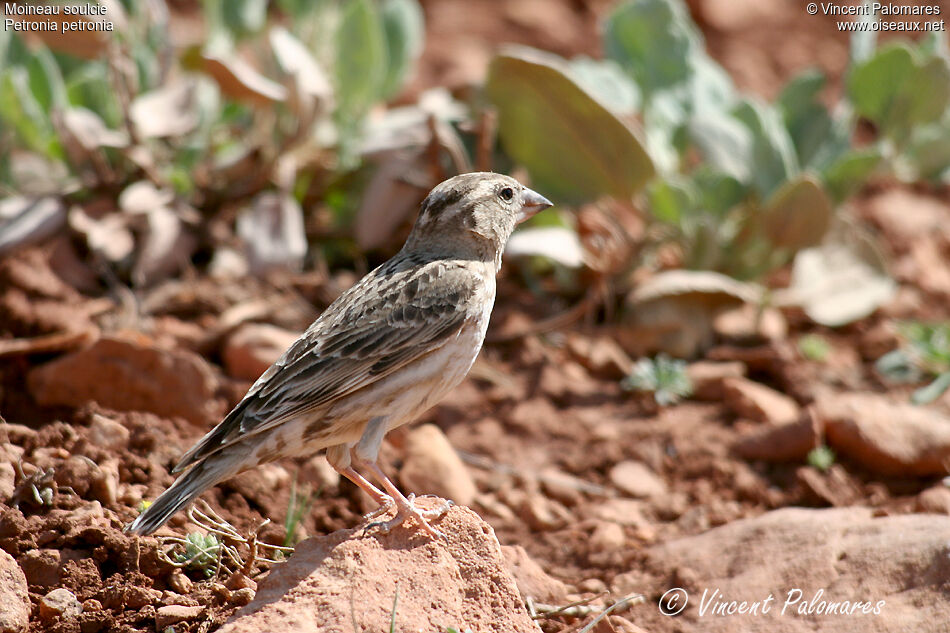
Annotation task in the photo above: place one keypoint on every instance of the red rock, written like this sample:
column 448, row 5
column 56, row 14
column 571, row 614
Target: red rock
column 934, row 500
column 14, row 596
column 433, row 467
column 757, row 402
column 59, row 603
column 172, row 614
column 108, row 433
column 789, row 442
column 253, row 347
column 707, row 377
column 637, row 480
column 895, row 438
column 847, row 553
column 459, row 581
column 129, row 373
column 531, row 579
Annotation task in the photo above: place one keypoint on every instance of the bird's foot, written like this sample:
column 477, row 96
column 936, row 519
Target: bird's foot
column 407, row 509
column 386, row 504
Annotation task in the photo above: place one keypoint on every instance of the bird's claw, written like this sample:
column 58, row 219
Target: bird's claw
column 409, row 510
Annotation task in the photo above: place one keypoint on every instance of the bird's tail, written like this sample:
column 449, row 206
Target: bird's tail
column 196, row 480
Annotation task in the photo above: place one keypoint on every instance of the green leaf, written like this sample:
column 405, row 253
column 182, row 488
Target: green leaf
column 670, row 201
column 574, row 147
column 404, row 27
column 850, row 172
column 244, row 17
column 929, row 151
column 603, row 79
column 653, row 40
column 773, row 158
column 798, row 215
column 360, row 62
column 718, row 192
column 22, row 112
column 88, row 86
column 896, row 91
column 725, row 143
column 46, row 80
column 816, row 136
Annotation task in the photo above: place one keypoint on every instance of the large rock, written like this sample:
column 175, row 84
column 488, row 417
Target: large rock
column 130, row 373
column 433, row 467
column 253, row 347
column 347, row 579
column 894, row 438
column 898, row 565
column 14, row 596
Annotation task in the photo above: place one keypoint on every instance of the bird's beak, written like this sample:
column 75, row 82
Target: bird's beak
column 532, row 203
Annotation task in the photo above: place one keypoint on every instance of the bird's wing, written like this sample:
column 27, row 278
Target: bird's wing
column 396, row 314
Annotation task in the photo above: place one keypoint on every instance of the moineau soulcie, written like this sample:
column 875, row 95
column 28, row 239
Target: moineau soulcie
column 385, row 351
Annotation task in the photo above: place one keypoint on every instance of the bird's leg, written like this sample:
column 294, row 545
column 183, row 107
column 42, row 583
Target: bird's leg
column 364, row 456
column 343, row 465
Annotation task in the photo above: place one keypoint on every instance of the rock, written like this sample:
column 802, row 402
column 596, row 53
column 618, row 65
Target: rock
column 7, row 481
column 893, row 438
column 433, row 467
column 59, row 603
column 107, row 433
column 41, row 567
column 707, row 377
column 138, row 597
column 104, row 485
column 459, row 581
column 621, row 511
column 530, row 578
column 265, row 486
column 845, row 553
column 180, row 583
column 172, row 614
column 637, row 480
column 166, row 382
column 242, row 596
column 757, row 402
column 14, row 596
column 934, row 500
column 539, row 512
column 601, row 356
column 789, row 442
column 607, row 537
column 253, row 347
column 747, row 323
column 77, row 472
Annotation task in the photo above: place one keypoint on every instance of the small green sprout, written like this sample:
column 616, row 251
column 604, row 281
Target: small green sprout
column 201, row 552
column 814, row 347
column 821, row 458
column 665, row 377
column 924, row 353
column 301, row 500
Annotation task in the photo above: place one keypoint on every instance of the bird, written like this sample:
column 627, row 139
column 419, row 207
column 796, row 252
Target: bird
column 386, row 350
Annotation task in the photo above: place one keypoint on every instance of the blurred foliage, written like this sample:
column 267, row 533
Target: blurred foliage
column 814, row 347
column 662, row 376
column 924, row 354
column 821, row 457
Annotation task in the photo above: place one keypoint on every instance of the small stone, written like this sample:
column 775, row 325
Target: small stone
column 180, row 583
column 601, row 355
column 748, row 323
column 934, row 500
column 433, row 467
column 7, row 481
column 242, row 596
column 592, row 585
column 41, row 567
column 749, row 399
column 607, row 537
column 172, row 614
column 622, row 511
column 105, row 482
column 107, row 433
column 239, row 581
column 539, row 512
column 77, row 472
column 707, row 377
column 787, row 442
column 531, row 578
column 637, row 480
column 138, row 597
column 59, row 603
column 253, row 347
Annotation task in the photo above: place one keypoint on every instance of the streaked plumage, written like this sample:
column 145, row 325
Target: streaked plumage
column 385, row 351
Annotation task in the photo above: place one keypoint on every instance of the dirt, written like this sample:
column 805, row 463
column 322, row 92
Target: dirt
column 540, row 430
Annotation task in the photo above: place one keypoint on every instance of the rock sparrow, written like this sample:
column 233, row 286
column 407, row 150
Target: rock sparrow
column 386, row 350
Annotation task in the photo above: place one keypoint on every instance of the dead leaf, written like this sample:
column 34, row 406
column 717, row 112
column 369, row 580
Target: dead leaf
column 109, row 236
column 841, row 281
column 389, row 200
column 90, row 131
column 240, row 81
column 557, row 243
column 166, row 247
column 143, row 196
column 296, row 60
column 28, row 221
column 273, row 231
column 169, row 111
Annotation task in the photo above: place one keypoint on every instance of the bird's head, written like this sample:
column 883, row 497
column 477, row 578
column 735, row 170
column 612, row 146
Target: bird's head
column 474, row 214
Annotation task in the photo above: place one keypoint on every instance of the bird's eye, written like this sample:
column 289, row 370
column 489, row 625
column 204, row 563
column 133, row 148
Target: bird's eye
column 507, row 193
